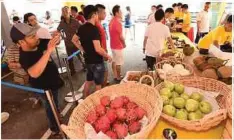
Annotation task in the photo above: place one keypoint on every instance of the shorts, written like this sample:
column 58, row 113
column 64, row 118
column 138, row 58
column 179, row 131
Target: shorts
column 151, row 61
column 95, row 72
column 106, row 65
column 118, row 57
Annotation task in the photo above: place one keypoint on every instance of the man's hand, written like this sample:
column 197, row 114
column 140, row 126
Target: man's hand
column 53, row 43
column 109, row 58
column 75, row 39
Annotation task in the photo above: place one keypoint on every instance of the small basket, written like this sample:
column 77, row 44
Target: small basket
column 159, row 65
column 179, row 55
column 129, row 77
column 210, row 120
column 143, row 95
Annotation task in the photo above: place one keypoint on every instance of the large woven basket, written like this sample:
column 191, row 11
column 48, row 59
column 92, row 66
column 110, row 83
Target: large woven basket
column 178, row 57
column 210, row 120
column 145, row 96
column 159, row 65
column 229, row 105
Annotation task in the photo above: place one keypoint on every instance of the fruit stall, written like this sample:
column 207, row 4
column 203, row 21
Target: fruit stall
column 187, row 96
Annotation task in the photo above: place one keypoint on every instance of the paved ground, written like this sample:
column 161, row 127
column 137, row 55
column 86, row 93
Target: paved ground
column 26, row 122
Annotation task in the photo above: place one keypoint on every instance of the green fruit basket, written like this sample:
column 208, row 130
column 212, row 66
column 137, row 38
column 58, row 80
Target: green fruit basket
column 210, row 120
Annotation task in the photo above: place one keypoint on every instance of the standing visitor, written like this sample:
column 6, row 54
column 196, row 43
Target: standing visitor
column 203, row 22
column 186, row 20
column 117, row 42
column 31, row 19
column 155, row 36
column 101, row 16
column 75, row 15
column 69, row 26
column 128, row 23
column 151, row 18
column 89, row 37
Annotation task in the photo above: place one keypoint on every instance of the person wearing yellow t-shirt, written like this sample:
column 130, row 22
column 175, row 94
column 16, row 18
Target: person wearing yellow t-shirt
column 186, row 19
column 178, row 13
column 220, row 37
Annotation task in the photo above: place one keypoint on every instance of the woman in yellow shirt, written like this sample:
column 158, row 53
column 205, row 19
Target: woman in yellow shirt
column 186, row 19
column 219, row 37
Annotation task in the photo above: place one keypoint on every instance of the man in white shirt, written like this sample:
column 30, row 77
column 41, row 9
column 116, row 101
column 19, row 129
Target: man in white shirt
column 151, row 18
column 203, row 22
column 155, row 36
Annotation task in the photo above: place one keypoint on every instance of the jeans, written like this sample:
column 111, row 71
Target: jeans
column 50, row 116
column 96, row 73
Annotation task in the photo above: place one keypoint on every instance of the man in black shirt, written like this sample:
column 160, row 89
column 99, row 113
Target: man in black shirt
column 35, row 59
column 89, row 37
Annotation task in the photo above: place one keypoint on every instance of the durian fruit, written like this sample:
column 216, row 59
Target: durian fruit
column 225, row 72
column 210, row 73
column 187, row 50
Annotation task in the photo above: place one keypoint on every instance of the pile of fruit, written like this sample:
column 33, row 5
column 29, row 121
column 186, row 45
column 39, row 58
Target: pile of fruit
column 213, row 67
column 170, row 54
column 177, row 69
column 178, row 104
column 116, row 118
column 137, row 76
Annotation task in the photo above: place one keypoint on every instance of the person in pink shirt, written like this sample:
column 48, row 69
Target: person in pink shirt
column 117, row 42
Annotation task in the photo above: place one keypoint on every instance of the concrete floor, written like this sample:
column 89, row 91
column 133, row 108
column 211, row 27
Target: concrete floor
column 26, row 122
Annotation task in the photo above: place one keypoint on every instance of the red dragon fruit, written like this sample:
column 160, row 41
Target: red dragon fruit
column 121, row 113
column 134, row 127
column 111, row 114
column 131, row 115
column 111, row 134
column 92, row 117
column 117, row 103
column 101, row 110
column 105, row 101
column 121, row 130
column 140, row 112
column 102, row 124
column 125, row 99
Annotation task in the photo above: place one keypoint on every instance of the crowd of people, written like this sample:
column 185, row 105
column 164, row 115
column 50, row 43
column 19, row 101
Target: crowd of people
column 84, row 32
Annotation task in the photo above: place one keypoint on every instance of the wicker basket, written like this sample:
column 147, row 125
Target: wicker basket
column 159, row 65
column 145, row 96
column 179, row 56
column 227, row 134
column 210, row 120
column 229, row 105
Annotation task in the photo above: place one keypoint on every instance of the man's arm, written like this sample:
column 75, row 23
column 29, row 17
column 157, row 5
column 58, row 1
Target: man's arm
column 100, row 50
column 216, row 43
column 76, row 42
column 144, row 43
column 37, row 69
column 171, row 42
column 122, row 40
